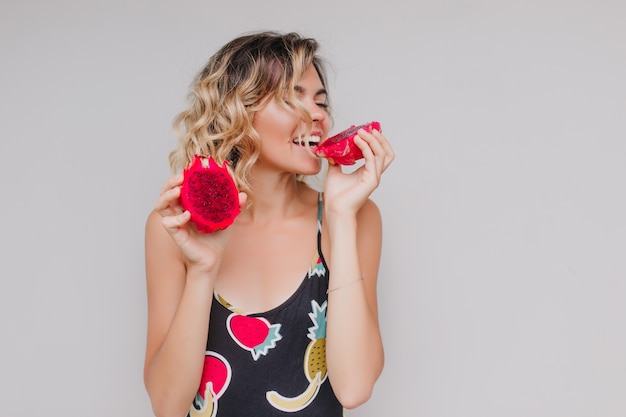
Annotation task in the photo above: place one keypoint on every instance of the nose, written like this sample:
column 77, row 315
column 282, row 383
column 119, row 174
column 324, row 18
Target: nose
column 317, row 113
column 317, row 116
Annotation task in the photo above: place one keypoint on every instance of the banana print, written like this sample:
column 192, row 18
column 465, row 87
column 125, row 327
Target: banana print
column 291, row 404
column 209, row 409
column 314, row 364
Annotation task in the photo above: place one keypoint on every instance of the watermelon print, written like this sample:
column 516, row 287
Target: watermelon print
column 254, row 334
column 216, row 375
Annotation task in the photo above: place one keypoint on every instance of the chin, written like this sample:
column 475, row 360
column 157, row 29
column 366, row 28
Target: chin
column 313, row 168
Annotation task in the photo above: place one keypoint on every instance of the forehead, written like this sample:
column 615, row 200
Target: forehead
column 310, row 82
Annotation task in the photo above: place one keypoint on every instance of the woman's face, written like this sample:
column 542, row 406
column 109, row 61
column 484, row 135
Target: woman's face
column 283, row 133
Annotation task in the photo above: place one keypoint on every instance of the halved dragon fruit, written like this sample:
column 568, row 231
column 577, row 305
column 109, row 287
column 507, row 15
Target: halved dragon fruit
column 340, row 149
column 210, row 194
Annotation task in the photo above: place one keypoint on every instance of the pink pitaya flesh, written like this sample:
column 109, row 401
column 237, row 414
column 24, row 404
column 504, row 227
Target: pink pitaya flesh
column 340, row 149
column 210, row 194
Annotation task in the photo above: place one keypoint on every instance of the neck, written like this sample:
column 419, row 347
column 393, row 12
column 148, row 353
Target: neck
column 276, row 197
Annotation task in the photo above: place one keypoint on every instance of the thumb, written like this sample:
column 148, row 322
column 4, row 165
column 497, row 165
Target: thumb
column 334, row 167
column 174, row 222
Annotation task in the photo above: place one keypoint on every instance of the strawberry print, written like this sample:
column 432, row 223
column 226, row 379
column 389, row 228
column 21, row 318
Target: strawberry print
column 254, row 334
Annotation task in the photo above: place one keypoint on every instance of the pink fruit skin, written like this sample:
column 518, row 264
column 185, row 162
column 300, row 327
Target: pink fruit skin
column 340, row 148
column 209, row 191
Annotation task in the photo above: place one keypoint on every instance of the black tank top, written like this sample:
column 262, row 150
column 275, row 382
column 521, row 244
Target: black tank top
column 272, row 363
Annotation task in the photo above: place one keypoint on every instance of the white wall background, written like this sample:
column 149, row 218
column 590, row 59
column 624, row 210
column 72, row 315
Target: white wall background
column 503, row 289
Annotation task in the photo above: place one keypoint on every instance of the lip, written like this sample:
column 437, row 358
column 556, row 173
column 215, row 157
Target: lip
column 308, row 141
column 313, row 133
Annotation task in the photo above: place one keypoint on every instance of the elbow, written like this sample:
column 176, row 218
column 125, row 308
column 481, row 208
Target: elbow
column 351, row 399
column 168, row 399
column 162, row 408
column 167, row 404
column 356, row 390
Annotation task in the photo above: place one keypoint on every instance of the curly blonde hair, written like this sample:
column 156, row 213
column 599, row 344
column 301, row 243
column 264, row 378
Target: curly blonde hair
column 236, row 83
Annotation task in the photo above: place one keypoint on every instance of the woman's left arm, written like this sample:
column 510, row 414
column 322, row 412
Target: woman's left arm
column 354, row 348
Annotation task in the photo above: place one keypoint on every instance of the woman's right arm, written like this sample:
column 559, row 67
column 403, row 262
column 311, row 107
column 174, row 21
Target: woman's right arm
column 179, row 302
column 181, row 265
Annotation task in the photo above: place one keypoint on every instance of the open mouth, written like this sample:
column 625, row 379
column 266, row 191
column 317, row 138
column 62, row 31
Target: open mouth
column 311, row 141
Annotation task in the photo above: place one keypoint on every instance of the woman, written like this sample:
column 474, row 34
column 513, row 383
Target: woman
column 288, row 291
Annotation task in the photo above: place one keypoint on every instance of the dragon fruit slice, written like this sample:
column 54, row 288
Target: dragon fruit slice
column 210, row 195
column 340, row 149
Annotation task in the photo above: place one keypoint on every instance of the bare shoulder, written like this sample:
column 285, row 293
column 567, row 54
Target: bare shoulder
column 369, row 233
column 153, row 222
column 369, row 221
column 159, row 246
column 369, row 213
column 155, row 232
column 369, row 239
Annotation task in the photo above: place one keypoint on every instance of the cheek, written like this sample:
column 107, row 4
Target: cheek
column 326, row 126
column 273, row 119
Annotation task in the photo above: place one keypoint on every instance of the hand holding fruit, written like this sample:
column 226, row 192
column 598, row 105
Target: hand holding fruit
column 346, row 193
column 195, row 205
column 340, row 148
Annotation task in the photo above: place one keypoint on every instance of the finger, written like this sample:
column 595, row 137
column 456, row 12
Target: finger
column 169, row 200
column 368, row 154
column 374, row 141
column 173, row 181
column 386, row 149
column 175, row 222
column 363, row 145
column 384, row 143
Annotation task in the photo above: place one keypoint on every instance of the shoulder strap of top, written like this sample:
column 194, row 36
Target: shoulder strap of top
column 319, row 208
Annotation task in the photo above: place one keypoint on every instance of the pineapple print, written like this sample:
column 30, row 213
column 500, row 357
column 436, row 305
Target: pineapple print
column 314, row 364
column 315, row 355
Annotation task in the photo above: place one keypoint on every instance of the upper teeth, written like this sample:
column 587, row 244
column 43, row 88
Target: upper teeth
column 311, row 140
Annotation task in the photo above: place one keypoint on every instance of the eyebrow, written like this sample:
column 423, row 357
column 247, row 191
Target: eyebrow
column 319, row 92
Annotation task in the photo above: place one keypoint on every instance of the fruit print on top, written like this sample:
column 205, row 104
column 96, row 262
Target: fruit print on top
column 276, row 358
column 254, row 334
column 315, row 368
column 216, row 375
column 317, row 268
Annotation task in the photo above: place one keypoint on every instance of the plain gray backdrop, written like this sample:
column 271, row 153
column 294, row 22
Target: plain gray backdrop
column 502, row 283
